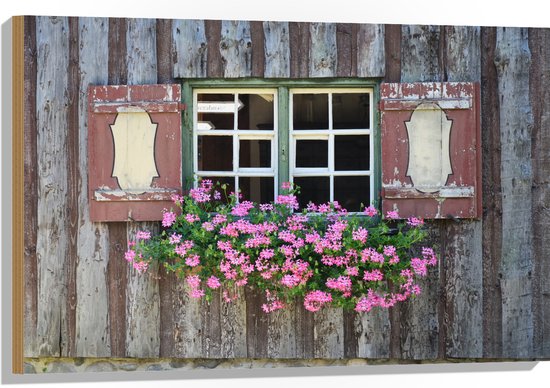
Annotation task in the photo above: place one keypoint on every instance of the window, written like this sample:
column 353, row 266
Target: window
column 254, row 138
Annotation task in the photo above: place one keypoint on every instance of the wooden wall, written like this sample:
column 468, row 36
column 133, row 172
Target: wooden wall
column 489, row 297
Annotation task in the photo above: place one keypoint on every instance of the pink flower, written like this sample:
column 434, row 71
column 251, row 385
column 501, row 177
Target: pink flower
column 193, row 260
column 242, row 209
column 140, row 266
column 389, row 250
column 191, row 218
column 314, row 300
column 217, row 195
column 130, row 256
column 168, row 219
column 290, row 281
column 352, row 271
column 289, row 201
column 342, row 283
column 213, row 282
column 175, row 238
column 311, row 207
column 392, row 215
column 177, row 199
column 266, row 207
column 360, row 234
column 196, row 293
column 193, row 281
column 208, row 226
column 373, row 276
column 371, row 211
column 200, row 195
column 286, row 185
column 419, row 266
column 414, row 222
column 428, row 254
column 143, row 235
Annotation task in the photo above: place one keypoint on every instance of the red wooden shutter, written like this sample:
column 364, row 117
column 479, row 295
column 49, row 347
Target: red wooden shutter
column 431, row 149
column 134, row 151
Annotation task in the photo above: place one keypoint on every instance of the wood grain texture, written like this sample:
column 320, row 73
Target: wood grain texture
column 142, row 303
column 256, row 324
column 304, row 327
column 420, row 54
column 213, row 31
column 52, row 236
column 300, row 42
column 118, row 72
column 92, row 324
column 73, row 187
column 165, row 51
column 492, row 197
column 190, row 47
column 234, row 326
column 30, row 181
column 328, row 333
column 281, row 333
column 463, row 286
column 512, row 59
column 236, row 49
column 344, row 39
column 323, row 50
column 539, row 84
column 392, row 50
column 277, row 49
column 142, row 293
column 257, row 42
column 211, row 329
column 373, row 334
column 371, row 55
column 187, row 323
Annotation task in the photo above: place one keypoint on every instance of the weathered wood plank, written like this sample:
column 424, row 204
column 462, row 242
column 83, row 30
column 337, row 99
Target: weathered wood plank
column 539, row 85
column 233, row 326
column 118, row 72
column 492, row 197
column 344, row 40
column 165, row 51
column 419, row 317
column 211, row 326
column 117, row 267
column 52, row 236
column 256, row 324
column 300, row 42
column 304, row 331
column 214, row 64
column 371, row 56
column 373, row 331
column 281, row 333
column 351, row 334
column 30, row 180
column 187, row 323
column 512, row 59
column 328, row 333
column 392, row 52
column 420, row 53
column 463, row 253
column 257, row 41
column 92, row 324
column 73, row 186
column 142, row 293
column 190, row 46
column 142, row 303
column 323, row 50
column 236, row 49
column 277, row 49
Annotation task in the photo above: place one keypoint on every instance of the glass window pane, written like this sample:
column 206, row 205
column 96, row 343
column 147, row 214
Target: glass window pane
column 257, row 189
column 350, row 110
column 351, row 191
column 310, row 111
column 255, row 153
column 311, row 153
column 229, row 183
column 257, row 111
column 313, row 189
column 215, row 111
column 215, row 153
column 351, row 153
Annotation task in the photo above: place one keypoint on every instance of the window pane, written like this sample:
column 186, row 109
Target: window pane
column 228, row 181
column 257, row 189
column 313, row 189
column 255, row 153
column 310, row 111
column 215, row 111
column 350, row 110
column 351, row 191
column 311, row 153
column 215, row 153
column 257, row 111
column 351, row 153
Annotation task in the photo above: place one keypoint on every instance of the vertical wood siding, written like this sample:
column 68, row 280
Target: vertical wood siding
column 488, row 298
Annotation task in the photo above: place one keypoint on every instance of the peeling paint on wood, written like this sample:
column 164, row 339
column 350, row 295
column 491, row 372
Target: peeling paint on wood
column 52, row 235
column 236, row 49
column 328, row 334
column 277, row 49
column 371, row 56
column 190, row 46
column 323, row 53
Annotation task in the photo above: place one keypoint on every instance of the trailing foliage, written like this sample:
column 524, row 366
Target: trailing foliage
column 321, row 254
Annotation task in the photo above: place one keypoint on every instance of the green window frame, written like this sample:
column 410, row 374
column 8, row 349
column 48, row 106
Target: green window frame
column 283, row 138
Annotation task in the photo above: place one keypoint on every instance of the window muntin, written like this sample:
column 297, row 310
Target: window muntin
column 235, row 139
column 330, row 135
column 331, row 145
